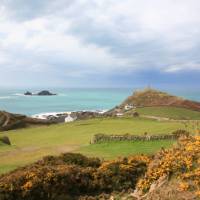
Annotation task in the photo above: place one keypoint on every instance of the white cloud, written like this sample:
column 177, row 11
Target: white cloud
column 99, row 36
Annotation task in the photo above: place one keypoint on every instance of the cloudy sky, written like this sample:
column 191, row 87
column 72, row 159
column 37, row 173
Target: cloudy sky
column 99, row 43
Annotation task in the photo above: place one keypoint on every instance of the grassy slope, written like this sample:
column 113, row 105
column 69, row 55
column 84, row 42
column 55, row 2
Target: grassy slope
column 2, row 144
column 31, row 144
column 113, row 149
column 170, row 112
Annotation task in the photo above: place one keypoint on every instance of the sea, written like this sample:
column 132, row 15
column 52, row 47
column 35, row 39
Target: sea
column 73, row 99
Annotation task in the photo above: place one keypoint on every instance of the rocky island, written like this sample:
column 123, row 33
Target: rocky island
column 42, row 93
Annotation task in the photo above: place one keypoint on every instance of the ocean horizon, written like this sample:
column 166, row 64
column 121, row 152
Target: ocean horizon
column 73, row 99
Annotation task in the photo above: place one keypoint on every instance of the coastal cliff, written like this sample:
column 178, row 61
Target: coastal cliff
column 9, row 121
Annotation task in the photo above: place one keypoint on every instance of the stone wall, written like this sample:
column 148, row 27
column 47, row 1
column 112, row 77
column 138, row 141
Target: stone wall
column 100, row 138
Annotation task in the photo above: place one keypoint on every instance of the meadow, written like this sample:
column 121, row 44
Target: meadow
column 111, row 150
column 170, row 112
column 31, row 144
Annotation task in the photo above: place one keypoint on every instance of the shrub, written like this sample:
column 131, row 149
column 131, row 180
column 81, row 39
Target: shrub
column 54, row 180
column 182, row 162
column 79, row 159
column 71, row 159
column 5, row 140
column 180, row 133
column 135, row 114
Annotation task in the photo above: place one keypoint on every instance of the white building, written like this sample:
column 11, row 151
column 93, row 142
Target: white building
column 129, row 106
column 69, row 119
column 119, row 114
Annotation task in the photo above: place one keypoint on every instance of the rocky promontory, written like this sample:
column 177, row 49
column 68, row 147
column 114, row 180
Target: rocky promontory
column 153, row 98
column 41, row 93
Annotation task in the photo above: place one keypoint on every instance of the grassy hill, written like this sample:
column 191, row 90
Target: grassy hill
column 31, row 144
column 170, row 112
column 152, row 97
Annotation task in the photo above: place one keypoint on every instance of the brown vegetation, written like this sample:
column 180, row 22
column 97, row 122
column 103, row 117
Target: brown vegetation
column 5, row 140
column 150, row 97
column 9, row 121
column 71, row 176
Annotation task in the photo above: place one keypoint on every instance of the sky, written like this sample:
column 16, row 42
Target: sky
column 99, row 43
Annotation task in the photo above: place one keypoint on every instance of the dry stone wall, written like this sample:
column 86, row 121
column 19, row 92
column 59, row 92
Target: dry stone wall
column 100, row 138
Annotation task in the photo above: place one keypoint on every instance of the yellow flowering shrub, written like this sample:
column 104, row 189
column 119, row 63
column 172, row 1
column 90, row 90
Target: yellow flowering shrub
column 182, row 162
column 69, row 175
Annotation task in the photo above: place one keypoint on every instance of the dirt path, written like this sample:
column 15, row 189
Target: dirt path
column 156, row 117
column 37, row 150
column 168, row 119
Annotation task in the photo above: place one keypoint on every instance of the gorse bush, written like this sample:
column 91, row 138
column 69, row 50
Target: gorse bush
column 69, row 176
column 72, row 159
column 181, row 162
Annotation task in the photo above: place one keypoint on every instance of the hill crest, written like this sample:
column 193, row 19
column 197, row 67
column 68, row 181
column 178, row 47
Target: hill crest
column 151, row 97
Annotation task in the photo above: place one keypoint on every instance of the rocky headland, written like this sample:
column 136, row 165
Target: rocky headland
column 152, row 98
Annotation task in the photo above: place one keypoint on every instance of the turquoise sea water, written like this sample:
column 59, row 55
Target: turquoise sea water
column 13, row 100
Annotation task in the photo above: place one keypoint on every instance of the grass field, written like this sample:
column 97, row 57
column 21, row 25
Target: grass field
column 111, row 150
column 170, row 112
column 31, row 144
column 2, row 144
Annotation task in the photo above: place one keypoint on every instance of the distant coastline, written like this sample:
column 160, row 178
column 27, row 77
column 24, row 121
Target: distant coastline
column 67, row 116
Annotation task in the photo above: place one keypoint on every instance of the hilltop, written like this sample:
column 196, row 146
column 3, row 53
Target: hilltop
column 154, row 103
column 9, row 121
column 152, row 97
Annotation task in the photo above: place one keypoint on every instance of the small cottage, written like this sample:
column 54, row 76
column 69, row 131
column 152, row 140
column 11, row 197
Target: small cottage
column 119, row 114
column 69, row 119
column 129, row 106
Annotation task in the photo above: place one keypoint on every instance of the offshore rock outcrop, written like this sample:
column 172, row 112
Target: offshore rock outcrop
column 42, row 93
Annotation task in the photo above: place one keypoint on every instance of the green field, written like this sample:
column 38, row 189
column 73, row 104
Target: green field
column 111, row 150
column 170, row 112
column 1, row 144
column 31, row 144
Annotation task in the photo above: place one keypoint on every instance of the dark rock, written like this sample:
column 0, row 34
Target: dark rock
column 45, row 93
column 85, row 115
column 27, row 93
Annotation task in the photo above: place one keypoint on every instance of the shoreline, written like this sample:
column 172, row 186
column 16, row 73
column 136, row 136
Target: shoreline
column 67, row 116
